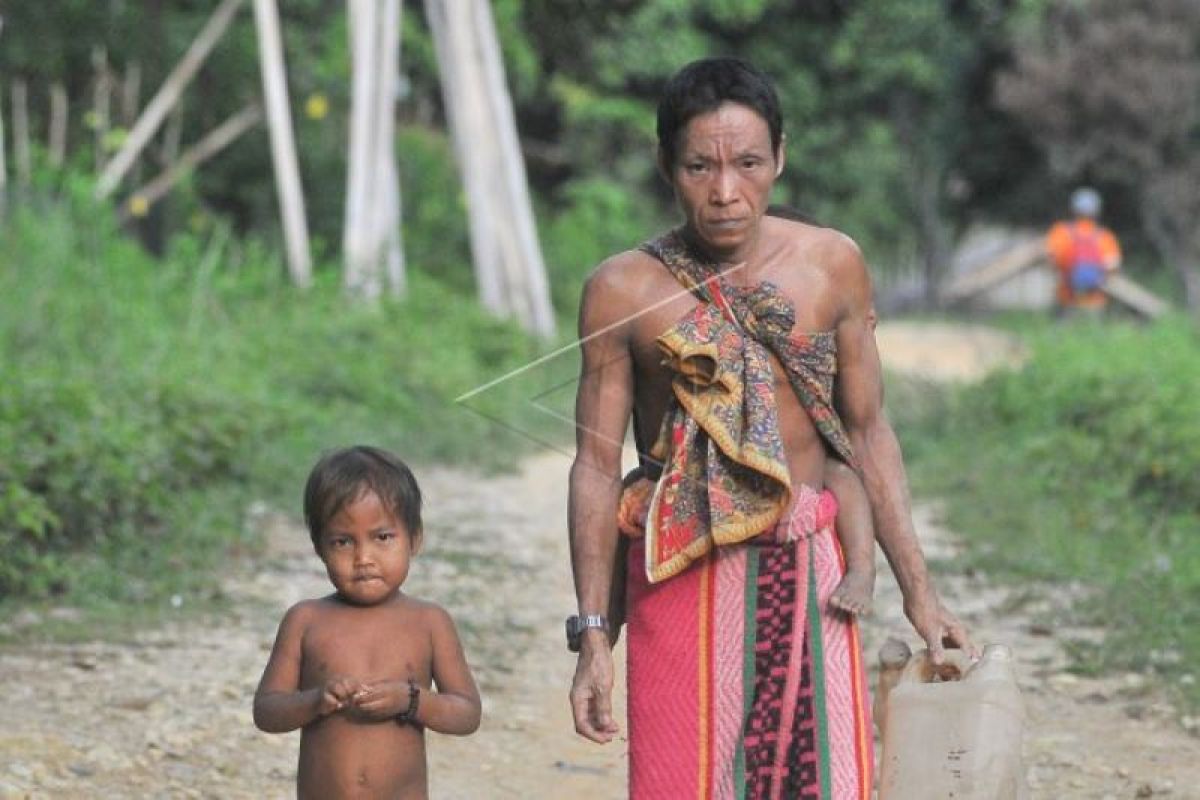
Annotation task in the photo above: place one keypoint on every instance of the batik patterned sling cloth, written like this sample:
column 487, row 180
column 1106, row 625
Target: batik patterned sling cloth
column 725, row 476
column 743, row 683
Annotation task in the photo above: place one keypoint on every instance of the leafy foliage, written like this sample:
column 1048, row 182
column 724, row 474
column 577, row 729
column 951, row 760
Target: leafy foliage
column 146, row 401
column 1111, row 91
column 1085, row 466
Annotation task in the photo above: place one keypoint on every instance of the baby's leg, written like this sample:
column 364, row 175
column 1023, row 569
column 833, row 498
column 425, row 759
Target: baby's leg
column 857, row 536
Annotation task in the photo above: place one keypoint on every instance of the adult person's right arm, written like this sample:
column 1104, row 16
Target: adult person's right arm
column 602, row 409
column 859, row 396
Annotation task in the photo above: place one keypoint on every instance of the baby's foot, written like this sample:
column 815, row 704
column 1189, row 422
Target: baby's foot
column 853, row 594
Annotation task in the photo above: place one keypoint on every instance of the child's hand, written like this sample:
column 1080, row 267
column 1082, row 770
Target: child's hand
column 338, row 693
column 381, row 700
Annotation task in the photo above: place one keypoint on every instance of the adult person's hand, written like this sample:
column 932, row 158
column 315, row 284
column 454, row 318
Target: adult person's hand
column 938, row 627
column 591, row 690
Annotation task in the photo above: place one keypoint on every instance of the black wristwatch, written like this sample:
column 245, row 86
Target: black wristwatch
column 576, row 625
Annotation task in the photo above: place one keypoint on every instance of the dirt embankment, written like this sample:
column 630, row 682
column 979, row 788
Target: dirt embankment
column 168, row 713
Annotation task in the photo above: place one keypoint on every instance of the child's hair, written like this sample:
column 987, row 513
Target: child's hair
column 343, row 475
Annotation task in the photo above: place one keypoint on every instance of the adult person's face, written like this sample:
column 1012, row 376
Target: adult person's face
column 722, row 176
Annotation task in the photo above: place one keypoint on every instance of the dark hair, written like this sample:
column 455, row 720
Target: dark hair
column 342, row 476
column 704, row 85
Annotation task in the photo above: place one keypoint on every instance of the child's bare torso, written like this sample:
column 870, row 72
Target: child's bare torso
column 344, row 755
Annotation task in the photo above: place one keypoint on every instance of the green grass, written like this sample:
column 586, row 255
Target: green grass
column 1083, row 466
column 147, row 401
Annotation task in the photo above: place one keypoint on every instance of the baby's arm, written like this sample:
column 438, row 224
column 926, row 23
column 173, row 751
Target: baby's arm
column 279, row 705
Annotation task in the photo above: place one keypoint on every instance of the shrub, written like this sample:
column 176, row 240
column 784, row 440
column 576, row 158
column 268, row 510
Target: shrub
column 1085, row 466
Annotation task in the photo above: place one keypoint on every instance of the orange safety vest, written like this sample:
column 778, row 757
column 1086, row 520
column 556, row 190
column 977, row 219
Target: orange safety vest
column 1063, row 244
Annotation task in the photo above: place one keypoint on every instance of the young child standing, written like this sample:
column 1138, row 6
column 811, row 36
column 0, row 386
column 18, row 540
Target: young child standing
column 354, row 669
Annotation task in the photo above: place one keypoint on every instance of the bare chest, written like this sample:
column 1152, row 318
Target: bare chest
column 369, row 646
column 805, row 286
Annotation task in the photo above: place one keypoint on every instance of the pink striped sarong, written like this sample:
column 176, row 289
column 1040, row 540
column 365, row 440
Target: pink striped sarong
column 742, row 682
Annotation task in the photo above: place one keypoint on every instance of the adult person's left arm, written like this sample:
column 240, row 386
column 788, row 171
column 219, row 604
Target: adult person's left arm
column 859, row 400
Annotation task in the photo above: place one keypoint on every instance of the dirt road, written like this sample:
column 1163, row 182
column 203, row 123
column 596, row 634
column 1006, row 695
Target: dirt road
column 167, row 714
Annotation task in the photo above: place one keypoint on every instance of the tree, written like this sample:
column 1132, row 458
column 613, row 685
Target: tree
column 1110, row 90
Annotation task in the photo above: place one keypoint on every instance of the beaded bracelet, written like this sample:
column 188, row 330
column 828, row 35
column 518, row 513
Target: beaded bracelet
column 409, row 715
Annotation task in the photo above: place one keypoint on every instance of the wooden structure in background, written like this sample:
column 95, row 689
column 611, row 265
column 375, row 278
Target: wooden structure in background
column 1032, row 253
column 508, row 262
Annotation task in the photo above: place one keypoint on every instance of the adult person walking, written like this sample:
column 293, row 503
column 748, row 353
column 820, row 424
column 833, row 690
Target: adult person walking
column 1085, row 253
column 742, row 346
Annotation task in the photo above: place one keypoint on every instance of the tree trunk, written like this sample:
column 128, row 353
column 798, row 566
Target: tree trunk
column 170, row 92
column 101, row 105
column 3, row 161
column 131, row 93
column 172, row 136
column 283, row 144
column 923, row 181
column 3, row 158
column 59, row 115
column 21, row 149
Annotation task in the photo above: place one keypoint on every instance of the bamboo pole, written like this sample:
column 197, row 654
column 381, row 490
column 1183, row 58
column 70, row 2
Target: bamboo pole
column 59, row 113
column 21, row 150
column 386, row 246
column 158, row 107
column 283, row 143
column 214, row 142
column 527, row 261
column 462, row 111
column 505, row 252
column 361, row 276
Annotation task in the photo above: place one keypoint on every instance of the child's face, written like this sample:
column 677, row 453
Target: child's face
column 366, row 551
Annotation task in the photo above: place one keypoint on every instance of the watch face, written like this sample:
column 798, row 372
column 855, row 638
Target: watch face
column 574, row 629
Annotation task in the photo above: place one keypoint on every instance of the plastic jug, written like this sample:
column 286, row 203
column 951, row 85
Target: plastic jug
column 951, row 731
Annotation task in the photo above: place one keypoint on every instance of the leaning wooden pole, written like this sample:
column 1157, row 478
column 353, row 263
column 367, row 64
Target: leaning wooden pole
column 283, row 143
column 160, row 105
column 213, row 143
